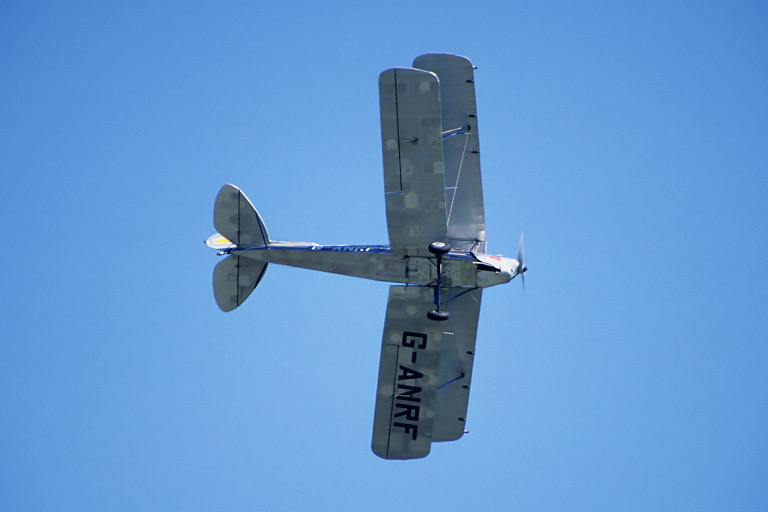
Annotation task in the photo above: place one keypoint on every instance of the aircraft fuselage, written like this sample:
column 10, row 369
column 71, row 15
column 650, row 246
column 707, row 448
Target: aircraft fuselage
column 460, row 269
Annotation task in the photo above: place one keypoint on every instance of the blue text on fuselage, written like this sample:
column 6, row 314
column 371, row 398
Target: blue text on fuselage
column 351, row 248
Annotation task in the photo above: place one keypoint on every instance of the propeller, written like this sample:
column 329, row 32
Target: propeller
column 521, row 268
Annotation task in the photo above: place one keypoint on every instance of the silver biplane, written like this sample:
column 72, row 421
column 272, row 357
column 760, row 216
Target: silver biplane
column 436, row 254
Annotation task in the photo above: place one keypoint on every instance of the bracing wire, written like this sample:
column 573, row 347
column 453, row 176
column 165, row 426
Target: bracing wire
column 458, row 175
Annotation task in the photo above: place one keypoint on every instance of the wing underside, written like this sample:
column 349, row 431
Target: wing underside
column 457, row 355
column 424, row 371
column 408, row 376
column 461, row 149
column 431, row 153
column 412, row 151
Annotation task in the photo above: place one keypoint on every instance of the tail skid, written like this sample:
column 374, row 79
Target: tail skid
column 241, row 227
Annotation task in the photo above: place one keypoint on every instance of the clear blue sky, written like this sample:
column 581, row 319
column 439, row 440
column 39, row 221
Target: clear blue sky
column 628, row 141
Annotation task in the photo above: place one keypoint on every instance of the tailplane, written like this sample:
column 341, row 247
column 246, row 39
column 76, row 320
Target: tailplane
column 234, row 279
column 239, row 227
column 235, row 217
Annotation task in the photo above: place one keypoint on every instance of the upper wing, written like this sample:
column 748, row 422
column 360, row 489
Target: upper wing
column 408, row 375
column 456, row 357
column 424, row 371
column 412, row 150
column 461, row 152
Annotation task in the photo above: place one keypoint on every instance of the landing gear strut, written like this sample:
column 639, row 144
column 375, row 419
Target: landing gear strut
column 439, row 249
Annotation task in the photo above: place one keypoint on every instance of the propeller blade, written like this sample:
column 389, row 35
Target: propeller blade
column 520, row 260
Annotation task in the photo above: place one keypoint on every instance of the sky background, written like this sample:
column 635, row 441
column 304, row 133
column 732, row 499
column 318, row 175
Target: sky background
column 628, row 141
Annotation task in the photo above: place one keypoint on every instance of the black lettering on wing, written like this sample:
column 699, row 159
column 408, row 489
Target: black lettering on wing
column 410, row 411
column 408, row 427
column 408, row 393
column 408, row 373
column 410, row 339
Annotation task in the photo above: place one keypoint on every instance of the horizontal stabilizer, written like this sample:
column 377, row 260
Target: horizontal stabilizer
column 237, row 220
column 234, row 278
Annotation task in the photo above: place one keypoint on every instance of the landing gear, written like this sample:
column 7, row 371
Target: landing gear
column 439, row 249
column 438, row 316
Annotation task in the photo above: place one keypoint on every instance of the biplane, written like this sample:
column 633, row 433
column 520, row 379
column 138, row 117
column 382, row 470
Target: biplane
column 436, row 254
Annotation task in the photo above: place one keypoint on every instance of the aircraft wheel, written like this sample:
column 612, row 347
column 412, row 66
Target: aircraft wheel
column 439, row 247
column 438, row 316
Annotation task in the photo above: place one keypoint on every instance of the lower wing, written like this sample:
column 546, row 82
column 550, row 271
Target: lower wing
column 424, row 371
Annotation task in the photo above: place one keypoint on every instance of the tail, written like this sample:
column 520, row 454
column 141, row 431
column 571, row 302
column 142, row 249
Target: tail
column 239, row 223
column 235, row 217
